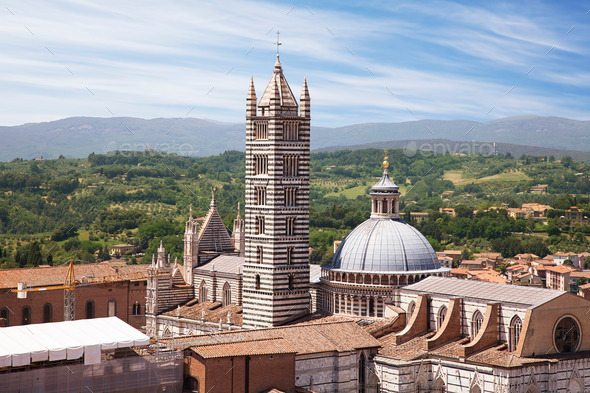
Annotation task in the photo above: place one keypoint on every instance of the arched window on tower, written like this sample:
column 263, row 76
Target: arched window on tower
column 291, row 282
column 226, row 294
column 136, row 308
column 476, row 322
column 514, row 333
column 257, row 282
column 47, row 313
column 89, row 309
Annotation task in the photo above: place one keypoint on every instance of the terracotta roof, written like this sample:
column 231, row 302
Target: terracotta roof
column 305, row 338
column 55, row 275
column 459, row 270
column 267, row 346
column 559, row 269
column 488, row 276
column 516, row 267
column 584, row 274
column 213, row 312
column 414, row 350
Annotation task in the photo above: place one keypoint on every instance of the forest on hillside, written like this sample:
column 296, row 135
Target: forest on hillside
column 53, row 210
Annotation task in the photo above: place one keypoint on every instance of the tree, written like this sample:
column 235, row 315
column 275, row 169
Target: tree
column 34, row 258
column 463, row 211
column 465, row 254
column 568, row 262
column 567, row 161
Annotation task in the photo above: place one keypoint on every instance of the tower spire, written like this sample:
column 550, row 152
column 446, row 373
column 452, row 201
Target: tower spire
column 213, row 201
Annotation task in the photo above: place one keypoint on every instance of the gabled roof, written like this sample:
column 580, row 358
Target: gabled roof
column 305, row 338
column 486, row 291
column 266, row 346
column 213, row 235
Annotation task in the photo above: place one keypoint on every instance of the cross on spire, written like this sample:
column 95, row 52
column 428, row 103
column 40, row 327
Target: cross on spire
column 278, row 43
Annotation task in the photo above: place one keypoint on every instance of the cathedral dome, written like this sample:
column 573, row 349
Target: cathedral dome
column 385, row 245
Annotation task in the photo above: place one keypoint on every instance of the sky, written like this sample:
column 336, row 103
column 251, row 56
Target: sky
column 364, row 61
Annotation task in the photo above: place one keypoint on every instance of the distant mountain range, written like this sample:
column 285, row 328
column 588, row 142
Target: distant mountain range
column 79, row 136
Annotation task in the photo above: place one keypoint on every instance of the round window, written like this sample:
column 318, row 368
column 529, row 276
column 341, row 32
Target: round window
column 567, row 335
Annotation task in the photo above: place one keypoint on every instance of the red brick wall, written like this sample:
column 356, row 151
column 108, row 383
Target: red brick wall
column 124, row 293
column 228, row 374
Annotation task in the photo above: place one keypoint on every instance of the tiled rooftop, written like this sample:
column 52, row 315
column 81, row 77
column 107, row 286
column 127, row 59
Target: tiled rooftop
column 269, row 346
column 305, row 338
column 487, row 291
column 55, row 275
column 213, row 312
column 414, row 349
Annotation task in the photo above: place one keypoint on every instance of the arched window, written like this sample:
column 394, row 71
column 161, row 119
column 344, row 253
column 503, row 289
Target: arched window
column 411, row 308
column 26, row 315
column 476, row 322
column 226, row 294
column 567, row 335
column 112, row 308
column 514, row 333
column 257, row 281
column 5, row 313
column 384, row 206
column 439, row 386
column 203, row 292
column 136, row 308
column 89, row 309
column 47, row 313
column 191, row 384
column 475, row 389
column 442, row 313
column 291, row 282
column 371, row 307
column 362, row 373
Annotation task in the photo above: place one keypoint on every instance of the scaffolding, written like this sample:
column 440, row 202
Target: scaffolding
column 146, row 373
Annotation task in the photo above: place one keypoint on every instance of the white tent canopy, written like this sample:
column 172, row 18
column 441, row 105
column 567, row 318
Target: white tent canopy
column 21, row 345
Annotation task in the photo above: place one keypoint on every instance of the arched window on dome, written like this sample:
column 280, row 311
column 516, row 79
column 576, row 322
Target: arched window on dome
column 384, row 206
column 476, row 322
column 371, row 307
column 343, row 277
column 514, row 333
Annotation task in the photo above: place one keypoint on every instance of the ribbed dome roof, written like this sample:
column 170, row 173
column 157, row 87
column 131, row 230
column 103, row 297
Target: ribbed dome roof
column 385, row 184
column 385, row 245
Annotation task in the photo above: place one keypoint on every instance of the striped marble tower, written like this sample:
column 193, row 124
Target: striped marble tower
column 276, row 272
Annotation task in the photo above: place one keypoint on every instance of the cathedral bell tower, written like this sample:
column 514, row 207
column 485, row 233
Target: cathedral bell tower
column 276, row 270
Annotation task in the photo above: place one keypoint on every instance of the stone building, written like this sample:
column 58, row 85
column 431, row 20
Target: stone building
column 470, row 336
column 276, row 272
column 381, row 318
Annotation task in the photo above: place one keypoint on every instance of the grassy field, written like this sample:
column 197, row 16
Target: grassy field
column 463, row 177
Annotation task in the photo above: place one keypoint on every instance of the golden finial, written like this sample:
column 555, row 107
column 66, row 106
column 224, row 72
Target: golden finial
column 385, row 162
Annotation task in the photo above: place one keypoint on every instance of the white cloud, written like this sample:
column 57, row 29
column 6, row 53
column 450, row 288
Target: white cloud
column 155, row 59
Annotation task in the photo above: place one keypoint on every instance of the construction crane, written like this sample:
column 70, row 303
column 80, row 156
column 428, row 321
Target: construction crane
column 70, row 284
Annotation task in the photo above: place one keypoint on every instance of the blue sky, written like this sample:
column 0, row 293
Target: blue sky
column 364, row 61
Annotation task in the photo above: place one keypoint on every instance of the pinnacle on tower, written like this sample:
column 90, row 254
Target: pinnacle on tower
column 213, row 201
